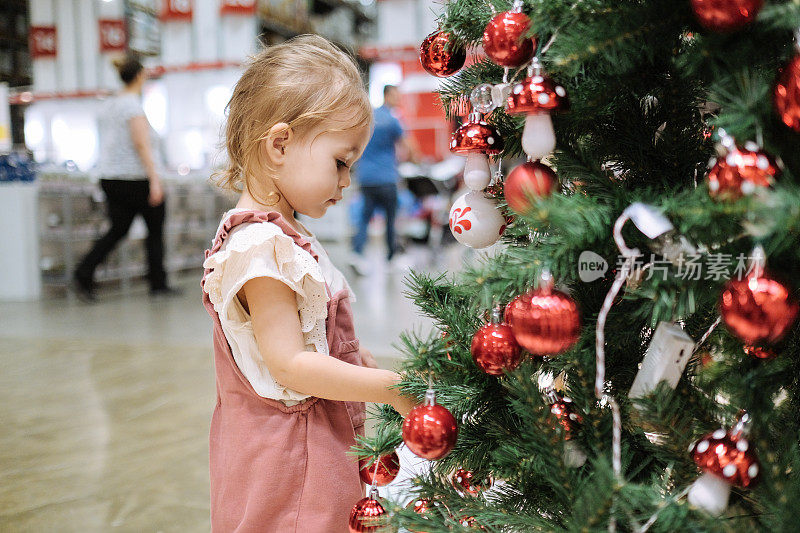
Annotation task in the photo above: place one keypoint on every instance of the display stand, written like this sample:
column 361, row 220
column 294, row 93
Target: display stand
column 20, row 279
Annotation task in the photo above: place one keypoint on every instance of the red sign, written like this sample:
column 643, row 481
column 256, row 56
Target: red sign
column 112, row 35
column 238, row 7
column 177, row 10
column 43, row 41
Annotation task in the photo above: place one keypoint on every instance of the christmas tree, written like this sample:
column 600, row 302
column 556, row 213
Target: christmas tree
column 627, row 359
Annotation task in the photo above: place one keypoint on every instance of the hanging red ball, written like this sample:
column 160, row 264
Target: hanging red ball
column 786, row 95
column 466, row 482
column 430, row 431
column 495, row 350
column 368, row 516
column 527, row 183
column 388, row 468
column 759, row 352
column 439, row 56
column 504, row 39
column 726, row 15
column 740, row 172
column 545, row 321
column 758, row 308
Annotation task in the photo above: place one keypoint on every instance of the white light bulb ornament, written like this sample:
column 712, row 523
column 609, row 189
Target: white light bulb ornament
column 727, row 459
column 537, row 97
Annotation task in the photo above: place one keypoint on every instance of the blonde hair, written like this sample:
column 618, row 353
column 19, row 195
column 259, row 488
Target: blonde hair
column 304, row 82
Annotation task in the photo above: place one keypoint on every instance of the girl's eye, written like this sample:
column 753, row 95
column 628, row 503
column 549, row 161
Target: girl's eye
column 341, row 164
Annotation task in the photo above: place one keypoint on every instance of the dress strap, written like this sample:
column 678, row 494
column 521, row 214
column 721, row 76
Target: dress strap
column 252, row 215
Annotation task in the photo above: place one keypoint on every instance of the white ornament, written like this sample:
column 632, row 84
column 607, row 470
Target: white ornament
column 666, row 357
column 538, row 137
column 710, row 493
column 476, row 172
column 475, row 220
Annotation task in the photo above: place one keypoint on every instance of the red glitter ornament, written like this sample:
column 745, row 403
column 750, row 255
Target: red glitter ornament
column 740, row 172
column 786, row 95
column 430, row 430
column 494, row 348
column 504, row 39
column 388, row 468
column 439, row 56
column 527, row 182
column 368, row 516
column 545, row 321
column 758, row 308
column 466, row 482
column 759, row 352
column 726, row 15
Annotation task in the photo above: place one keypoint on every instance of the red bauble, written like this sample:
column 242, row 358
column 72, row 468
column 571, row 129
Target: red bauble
column 759, row 352
column 740, row 172
column 545, row 321
column 786, row 94
column 726, row 15
column 527, row 182
column 504, row 39
column 368, row 516
column 430, row 431
column 565, row 414
column 439, row 56
column 464, row 481
column 388, row 469
column 758, row 309
column 495, row 350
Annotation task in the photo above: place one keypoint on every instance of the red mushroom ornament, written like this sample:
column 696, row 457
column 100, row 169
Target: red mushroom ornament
column 564, row 414
column 537, row 97
column 477, row 139
column 726, row 459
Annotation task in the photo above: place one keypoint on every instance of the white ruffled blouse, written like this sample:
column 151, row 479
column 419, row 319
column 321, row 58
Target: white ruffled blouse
column 261, row 249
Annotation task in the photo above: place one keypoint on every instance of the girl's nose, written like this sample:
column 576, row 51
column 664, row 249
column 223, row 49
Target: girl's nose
column 345, row 182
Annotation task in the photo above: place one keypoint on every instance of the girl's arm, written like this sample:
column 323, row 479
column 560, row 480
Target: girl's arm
column 140, row 135
column 276, row 325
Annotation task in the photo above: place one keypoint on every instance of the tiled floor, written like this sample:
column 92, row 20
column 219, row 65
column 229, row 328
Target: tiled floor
column 104, row 409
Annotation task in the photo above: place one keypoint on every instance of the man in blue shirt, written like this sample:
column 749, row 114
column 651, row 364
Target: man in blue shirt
column 377, row 175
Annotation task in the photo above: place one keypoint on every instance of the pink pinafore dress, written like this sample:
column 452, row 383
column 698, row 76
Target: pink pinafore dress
column 278, row 468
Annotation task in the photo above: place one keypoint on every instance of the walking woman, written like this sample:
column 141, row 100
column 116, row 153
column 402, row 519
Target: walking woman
column 130, row 181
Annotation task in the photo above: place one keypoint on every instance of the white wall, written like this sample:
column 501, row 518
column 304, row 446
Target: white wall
column 183, row 105
column 405, row 22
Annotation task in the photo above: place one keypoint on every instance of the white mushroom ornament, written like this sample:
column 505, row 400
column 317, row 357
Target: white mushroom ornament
column 727, row 459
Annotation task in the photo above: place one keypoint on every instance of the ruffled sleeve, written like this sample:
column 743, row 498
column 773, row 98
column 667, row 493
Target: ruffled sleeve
column 261, row 249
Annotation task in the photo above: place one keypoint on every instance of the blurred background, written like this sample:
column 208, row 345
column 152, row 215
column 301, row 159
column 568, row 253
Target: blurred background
column 105, row 408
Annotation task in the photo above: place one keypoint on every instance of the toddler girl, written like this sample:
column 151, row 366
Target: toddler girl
column 291, row 377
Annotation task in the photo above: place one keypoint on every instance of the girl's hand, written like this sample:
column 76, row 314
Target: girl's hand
column 404, row 404
column 367, row 359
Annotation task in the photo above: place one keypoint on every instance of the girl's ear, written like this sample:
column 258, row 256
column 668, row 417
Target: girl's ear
column 275, row 142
